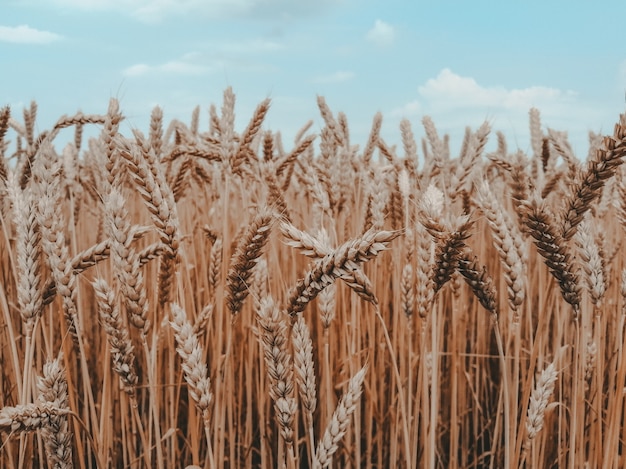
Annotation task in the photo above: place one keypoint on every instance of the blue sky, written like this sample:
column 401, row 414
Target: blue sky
column 460, row 62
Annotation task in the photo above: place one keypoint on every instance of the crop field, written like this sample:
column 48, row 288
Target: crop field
column 216, row 297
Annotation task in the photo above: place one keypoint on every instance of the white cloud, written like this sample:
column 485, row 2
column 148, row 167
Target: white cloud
column 455, row 101
column 449, row 90
column 382, row 34
column 24, row 34
column 412, row 108
column 177, row 67
column 337, row 77
column 157, row 10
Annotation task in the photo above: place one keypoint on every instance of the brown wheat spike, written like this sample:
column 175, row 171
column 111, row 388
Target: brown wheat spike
column 329, row 120
column 386, row 151
column 545, row 154
column 155, row 199
column 268, row 146
column 117, row 335
column 287, row 164
column 539, row 403
column 109, row 134
column 243, row 151
column 425, row 285
column 214, row 122
column 125, row 260
column 536, row 135
column 431, row 208
column 98, row 252
column 559, row 142
column 50, row 220
column 249, row 249
column 193, row 364
column 306, row 243
column 52, row 388
column 599, row 169
column 327, row 305
column 30, row 115
column 555, row 252
column 506, row 239
column 275, row 197
column 346, row 257
column 159, row 201
column 227, row 128
column 479, row 281
column 591, row 261
column 521, row 186
column 278, row 362
column 29, row 417
column 372, row 141
column 193, row 149
column 203, row 318
column 407, row 290
column 195, row 119
column 338, row 425
column 5, row 114
column 551, row 184
column 28, row 245
column 304, row 365
column 316, row 248
column 215, row 264
column 408, row 140
column 475, row 146
column 448, row 251
column 156, row 131
column 180, row 182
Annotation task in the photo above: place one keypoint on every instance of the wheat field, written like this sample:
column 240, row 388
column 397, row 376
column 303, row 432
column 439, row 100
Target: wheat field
column 219, row 298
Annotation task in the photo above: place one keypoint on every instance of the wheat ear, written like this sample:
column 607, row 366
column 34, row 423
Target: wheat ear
column 29, row 417
column 539, row 403
column 28, row 246
column 57, row 435
column 588, row 188
column 247, row 253
column 342, row 260
column 338, row 425
column 125, row 260
column 194, row 366
column 124, row 363
column 278, row 362
column 555, row 252
column 508, row 243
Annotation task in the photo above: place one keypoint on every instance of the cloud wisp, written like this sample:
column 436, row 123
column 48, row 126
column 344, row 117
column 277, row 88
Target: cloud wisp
column 175, row 67
column 455, row 101
column 24, row 34
column 382, row 34
column 152, row 11
column 449, row 91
